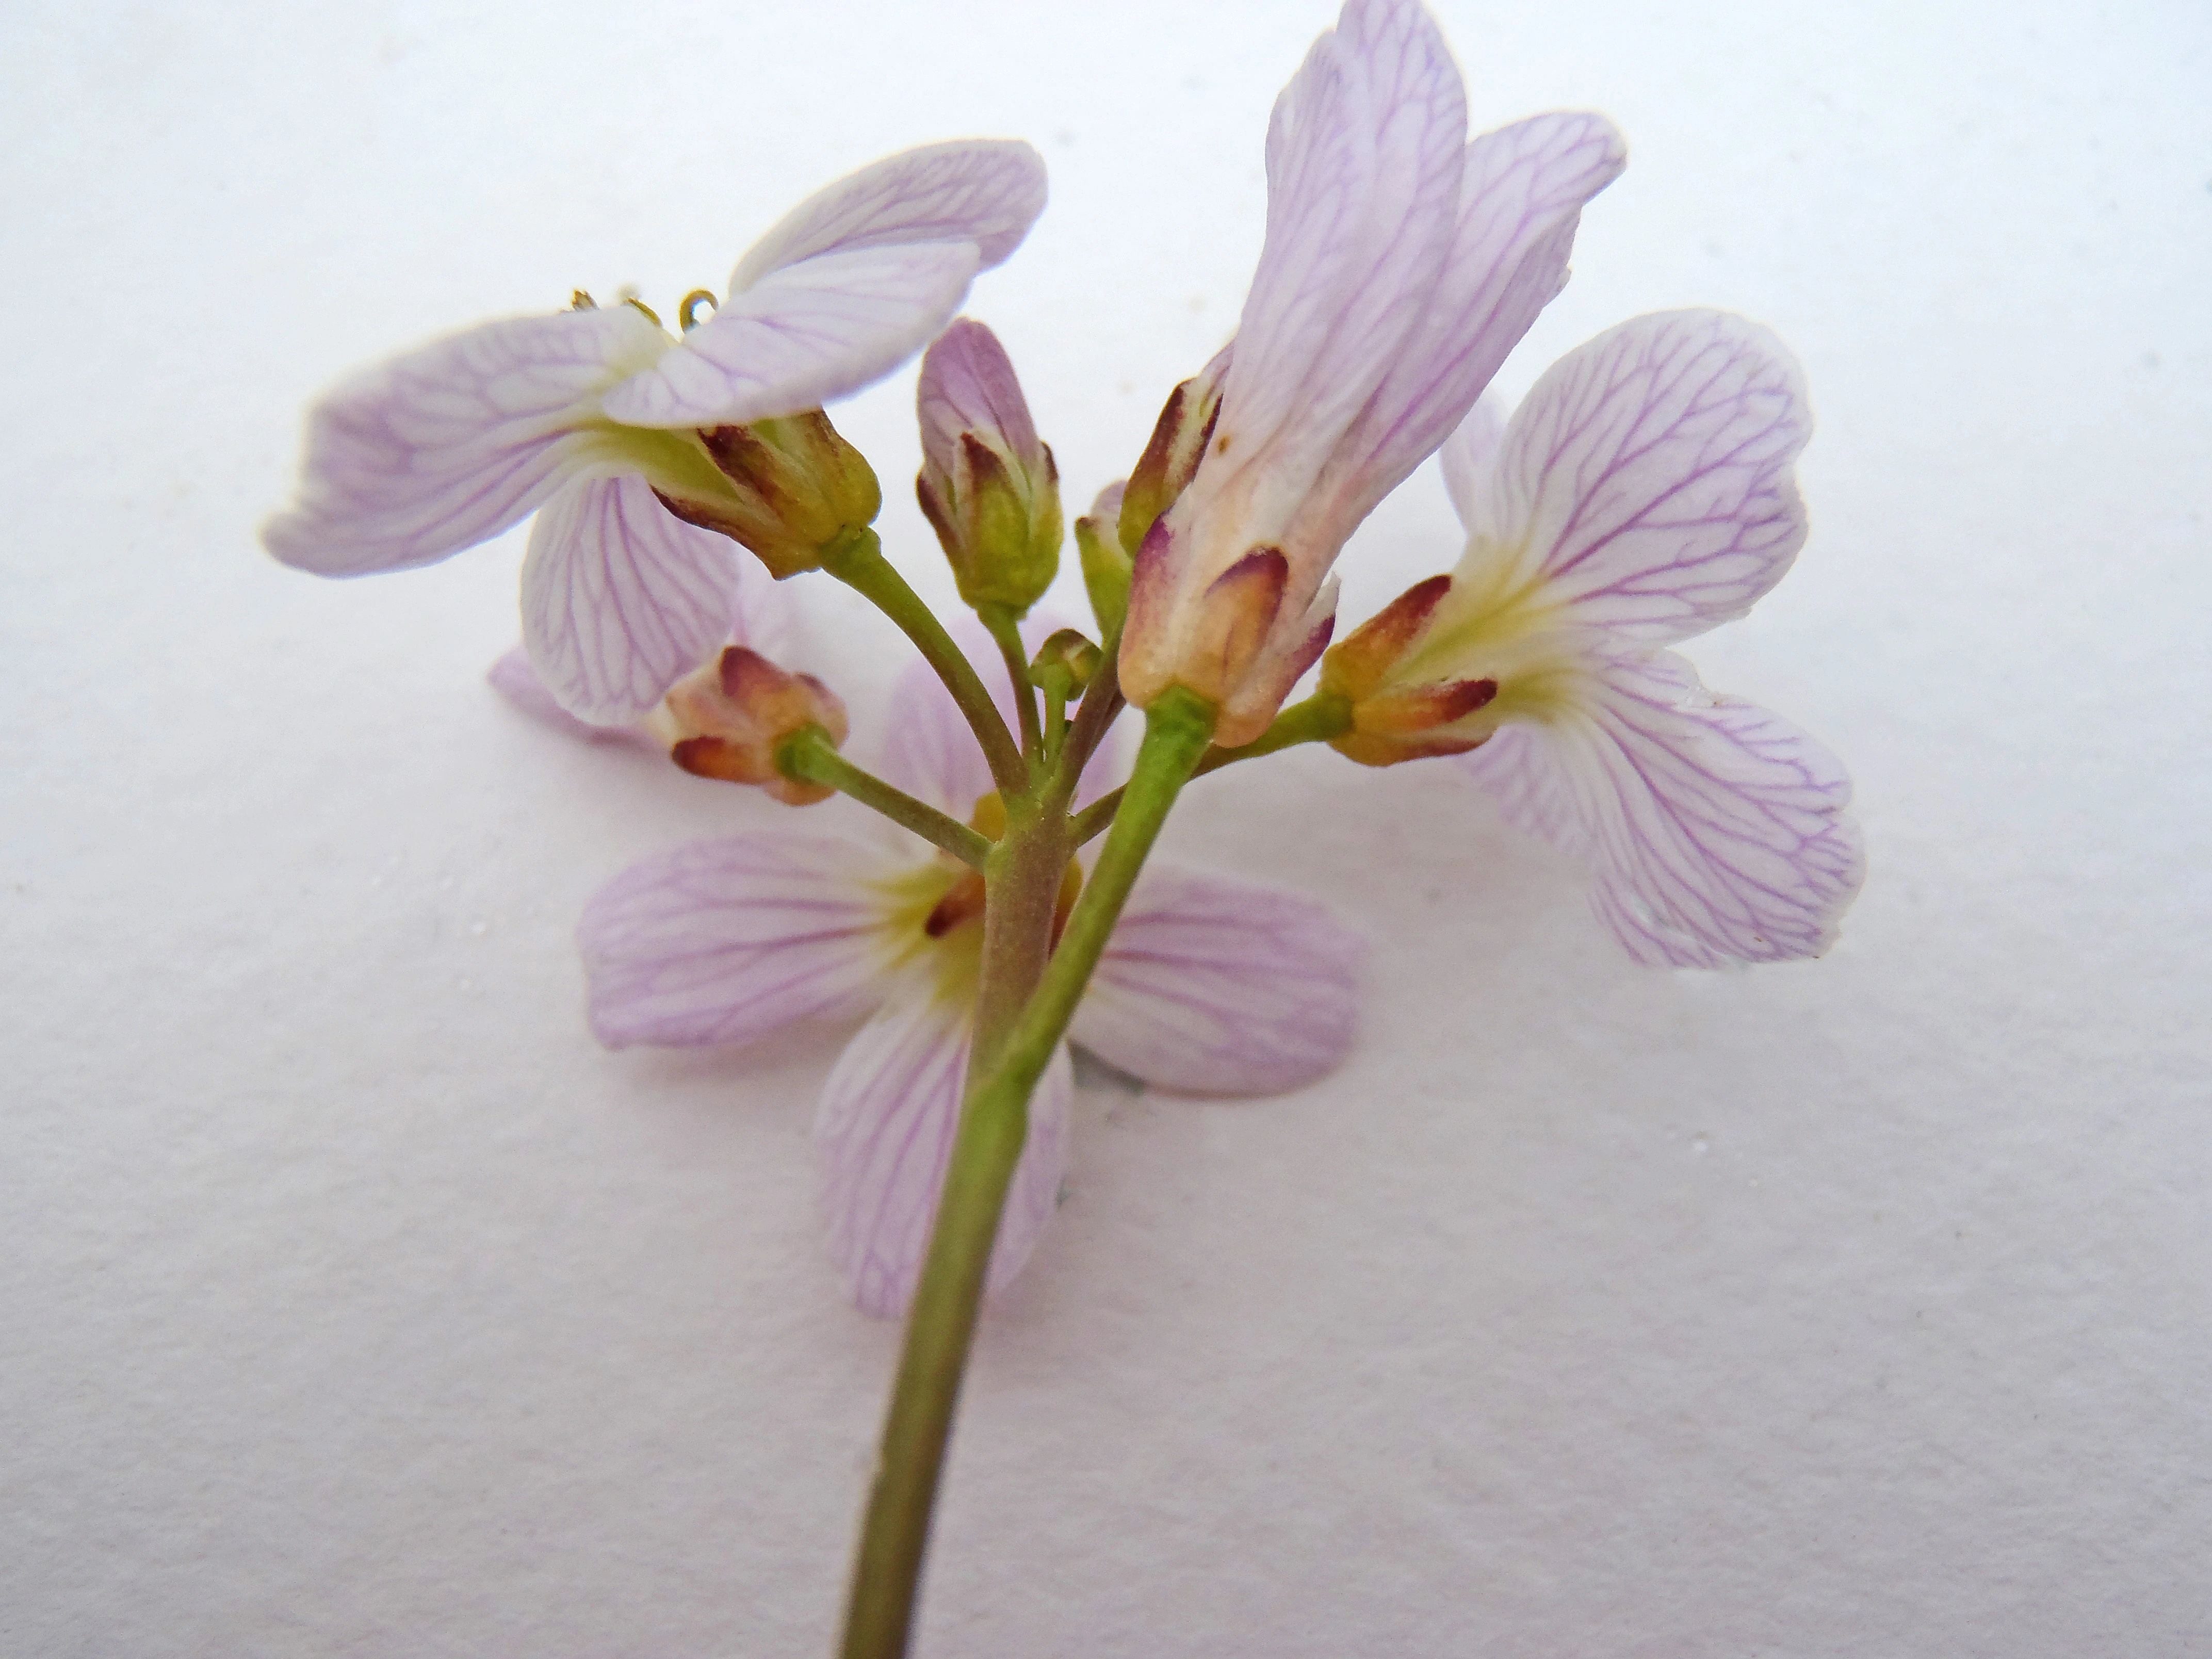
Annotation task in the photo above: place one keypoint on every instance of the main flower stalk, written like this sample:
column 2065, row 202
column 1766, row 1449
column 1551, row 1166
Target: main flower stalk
column 1024, row 1011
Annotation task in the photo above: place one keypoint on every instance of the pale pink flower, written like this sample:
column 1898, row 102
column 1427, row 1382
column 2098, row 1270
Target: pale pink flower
column 1643, row 493
column 585, row 414
column 1209, row 986
column 1401, row 264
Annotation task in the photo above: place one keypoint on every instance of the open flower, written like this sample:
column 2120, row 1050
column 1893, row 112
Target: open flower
column 1209, row 986
column 1401, row 264
column 587, row 413
column 1643, row 493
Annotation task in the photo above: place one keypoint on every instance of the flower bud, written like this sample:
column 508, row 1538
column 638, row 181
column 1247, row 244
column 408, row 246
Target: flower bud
column 987, row 485
column 1172, row 458
column 1106, row 562
column 1399, row 712
column 1064, row 665
column 727, row 719
column 796, row 487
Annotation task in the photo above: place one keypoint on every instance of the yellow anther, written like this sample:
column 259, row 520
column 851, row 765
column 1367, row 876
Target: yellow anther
column 580, row 300
column 687, row 312
column 651, row 314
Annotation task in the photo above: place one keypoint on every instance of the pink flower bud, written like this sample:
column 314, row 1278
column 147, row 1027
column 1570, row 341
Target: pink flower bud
column 987, row 485
column 730, row 715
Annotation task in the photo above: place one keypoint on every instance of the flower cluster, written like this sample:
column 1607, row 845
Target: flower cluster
column 1643, row 493
column 1209, row 985
column 614, row 431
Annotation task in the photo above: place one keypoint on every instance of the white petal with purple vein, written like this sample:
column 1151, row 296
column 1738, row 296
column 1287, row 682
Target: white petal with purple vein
column 621, row 599
column 1215, row 986
column 885, row 1130
column 1520, row 199
column 1364, row 154
column 804, row 335
column 761, row 620
column 1716, row 831
column 723, row 941
column 514, row 678
column 1649, row 474
column 1468, row 455
column 445, row 448
column 984, row 191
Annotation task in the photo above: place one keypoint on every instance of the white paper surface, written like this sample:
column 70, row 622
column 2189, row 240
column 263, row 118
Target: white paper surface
column 356, row 1303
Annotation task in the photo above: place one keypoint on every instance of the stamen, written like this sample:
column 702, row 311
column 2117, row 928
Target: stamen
column 687, row 312
column 580, row 300
column 651, row 315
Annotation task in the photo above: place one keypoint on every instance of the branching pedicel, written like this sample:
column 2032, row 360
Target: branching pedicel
column 1643, row 493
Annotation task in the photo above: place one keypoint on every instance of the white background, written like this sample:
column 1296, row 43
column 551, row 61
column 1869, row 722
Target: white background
column 355, row 1301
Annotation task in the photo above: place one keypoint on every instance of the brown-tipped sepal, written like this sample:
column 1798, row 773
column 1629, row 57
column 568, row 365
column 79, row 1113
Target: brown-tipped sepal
column 1234, row 617
column 1170, row 460
column 1394, row 720
column 1360, row 661
column 1416, row 722
column 797, row 486
column 732, row 715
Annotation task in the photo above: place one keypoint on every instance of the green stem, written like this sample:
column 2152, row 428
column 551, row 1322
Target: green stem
column 1055, row 724
column 1021, row 892
column 857, row 560
column 1005, row 629
column 1324, row 715
column 994, row 1122
column 1101, row 700
column 808, row 756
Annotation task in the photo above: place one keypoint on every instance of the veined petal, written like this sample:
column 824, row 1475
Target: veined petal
column 513, row 678
column 1716, row 831
column 1521, row 200
column 445, row 448
column 988, row 191
column 760, row 621
column 1364, row 157
column 723, row 941
column 1214, row 987
column 889, row 1114
column 1648, row 476
column 803, row 336
column 621, row 599
column 1468, row 454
